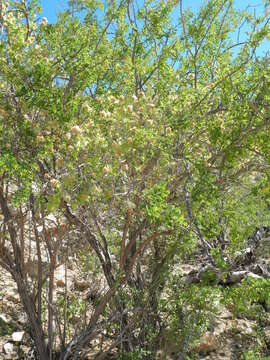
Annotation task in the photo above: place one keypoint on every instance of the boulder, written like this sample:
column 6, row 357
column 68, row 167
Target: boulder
column 17, row 336
column 8, row 348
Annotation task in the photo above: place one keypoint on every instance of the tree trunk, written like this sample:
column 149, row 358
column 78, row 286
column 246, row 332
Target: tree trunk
column 35, row 324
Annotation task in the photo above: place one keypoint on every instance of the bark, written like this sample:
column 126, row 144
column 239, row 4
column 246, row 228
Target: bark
column 30, row 310
column 18, row 275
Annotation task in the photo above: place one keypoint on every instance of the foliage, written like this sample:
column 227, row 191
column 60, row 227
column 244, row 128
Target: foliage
column 141, row 130
column 6, row 328
column 250, row 298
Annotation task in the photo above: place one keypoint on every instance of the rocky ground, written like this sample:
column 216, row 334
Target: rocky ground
column 227, row 337
column 15, row 342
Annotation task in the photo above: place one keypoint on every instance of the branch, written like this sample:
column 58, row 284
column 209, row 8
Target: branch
column 93, row 241
column 11, row 229
column 205, row 244
column 145, row 243
column 123, row 242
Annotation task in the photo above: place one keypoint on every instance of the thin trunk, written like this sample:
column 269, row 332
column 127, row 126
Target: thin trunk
column 50, row 305
column 22, row 243
column 18, row 276
column 35, row 324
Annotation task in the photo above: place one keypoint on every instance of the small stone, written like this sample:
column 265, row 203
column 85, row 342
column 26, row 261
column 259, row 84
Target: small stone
column 248, row 330
column 8, row 348
column 17, row 336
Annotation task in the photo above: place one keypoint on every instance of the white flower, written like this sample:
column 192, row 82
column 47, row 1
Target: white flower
column 76, row 130
column 44, row 21
column 53, row 183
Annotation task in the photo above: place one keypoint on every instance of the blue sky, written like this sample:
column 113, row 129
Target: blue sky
column 52, row 7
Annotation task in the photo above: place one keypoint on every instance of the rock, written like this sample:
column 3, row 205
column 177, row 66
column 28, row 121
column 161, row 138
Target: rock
column 17, row 336
column 248, row 330
column 8, row 348
column 208, row 343
column 81, row 285
column 236, row 276
column 220, row 327
column 22, row 318
column 3, row 318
